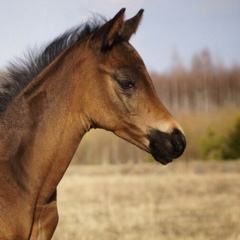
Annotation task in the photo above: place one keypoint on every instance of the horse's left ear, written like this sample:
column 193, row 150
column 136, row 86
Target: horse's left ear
column 105, row 36
column 131, row 25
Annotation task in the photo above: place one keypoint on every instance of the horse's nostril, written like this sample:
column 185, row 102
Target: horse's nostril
column 178, row 141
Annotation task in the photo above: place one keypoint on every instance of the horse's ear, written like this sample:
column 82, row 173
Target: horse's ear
column 105, row 36
column 131, row 25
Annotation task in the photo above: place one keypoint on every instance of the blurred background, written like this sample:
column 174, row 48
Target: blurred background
column 191, row 49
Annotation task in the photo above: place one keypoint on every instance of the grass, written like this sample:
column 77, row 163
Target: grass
column 184, row 200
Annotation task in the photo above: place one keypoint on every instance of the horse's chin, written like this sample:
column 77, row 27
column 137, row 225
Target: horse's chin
column 162, row 160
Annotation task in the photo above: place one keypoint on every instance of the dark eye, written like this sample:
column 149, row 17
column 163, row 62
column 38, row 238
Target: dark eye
column 126, row 84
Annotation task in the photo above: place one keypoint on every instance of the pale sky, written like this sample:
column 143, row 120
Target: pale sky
column 169, row 26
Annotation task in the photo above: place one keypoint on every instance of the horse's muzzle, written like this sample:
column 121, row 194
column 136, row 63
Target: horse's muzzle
column 165, row 147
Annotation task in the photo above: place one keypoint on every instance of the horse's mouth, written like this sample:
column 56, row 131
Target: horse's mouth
column 161, row 159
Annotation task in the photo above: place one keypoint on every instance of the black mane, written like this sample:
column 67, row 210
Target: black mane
column 22, row 71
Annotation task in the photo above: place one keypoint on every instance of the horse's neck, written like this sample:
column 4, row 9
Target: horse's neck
column 39, row 133
column 57, row 135
column 52, row 131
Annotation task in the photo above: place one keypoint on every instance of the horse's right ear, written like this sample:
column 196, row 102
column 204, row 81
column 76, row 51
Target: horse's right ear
column 105, row 36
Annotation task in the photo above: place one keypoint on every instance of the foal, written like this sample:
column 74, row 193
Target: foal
column 90, row 77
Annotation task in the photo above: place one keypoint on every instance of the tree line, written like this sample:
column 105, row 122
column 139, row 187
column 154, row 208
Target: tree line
column 205, row 86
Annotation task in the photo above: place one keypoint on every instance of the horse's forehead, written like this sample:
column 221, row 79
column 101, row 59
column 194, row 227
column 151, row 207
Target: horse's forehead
column 126, row 54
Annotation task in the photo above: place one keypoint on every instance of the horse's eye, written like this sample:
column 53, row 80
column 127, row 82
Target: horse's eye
column 126, row 84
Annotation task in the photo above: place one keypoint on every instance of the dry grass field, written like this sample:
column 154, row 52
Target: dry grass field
column 181, row 201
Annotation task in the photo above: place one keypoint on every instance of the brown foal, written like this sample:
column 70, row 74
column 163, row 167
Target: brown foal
column 90, row 77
